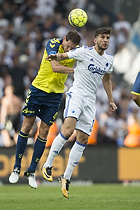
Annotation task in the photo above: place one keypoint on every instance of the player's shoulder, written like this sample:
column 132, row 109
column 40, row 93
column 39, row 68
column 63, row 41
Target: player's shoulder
column 55, row 41
column 87, row 48
column 53, row 45
column 77, row 47
column 84, row 48
column 109, row 56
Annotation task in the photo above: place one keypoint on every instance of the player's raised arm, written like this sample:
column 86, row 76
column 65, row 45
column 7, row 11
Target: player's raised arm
column 58, row 56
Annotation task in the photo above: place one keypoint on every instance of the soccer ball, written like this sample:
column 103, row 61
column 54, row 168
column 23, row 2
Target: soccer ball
column 77, row 17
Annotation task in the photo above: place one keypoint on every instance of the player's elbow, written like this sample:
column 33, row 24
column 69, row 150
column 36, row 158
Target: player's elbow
column 55, row 68
column 135, row 97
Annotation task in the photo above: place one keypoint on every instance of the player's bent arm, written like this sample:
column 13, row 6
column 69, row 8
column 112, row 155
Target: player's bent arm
column 108, row 86
column 58, row 68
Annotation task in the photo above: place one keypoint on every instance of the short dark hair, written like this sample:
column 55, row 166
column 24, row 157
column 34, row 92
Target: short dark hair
column 103, row 30
column 74, row 37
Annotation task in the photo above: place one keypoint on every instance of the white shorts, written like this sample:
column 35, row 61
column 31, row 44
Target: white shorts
column 84, row 111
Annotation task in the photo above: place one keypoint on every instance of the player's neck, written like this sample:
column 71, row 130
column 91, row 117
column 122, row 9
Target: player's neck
column 99, row 51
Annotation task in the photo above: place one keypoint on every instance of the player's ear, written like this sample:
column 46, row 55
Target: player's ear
column 95, row 40
column 64, row 39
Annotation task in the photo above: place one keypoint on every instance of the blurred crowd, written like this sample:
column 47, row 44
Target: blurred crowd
column 25, row 28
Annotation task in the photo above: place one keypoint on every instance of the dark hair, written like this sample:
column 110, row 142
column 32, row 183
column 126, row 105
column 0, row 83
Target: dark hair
column 103, row 30
column 74, row 37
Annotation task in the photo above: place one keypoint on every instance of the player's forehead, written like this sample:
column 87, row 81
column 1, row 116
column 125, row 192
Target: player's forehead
column 102, row 35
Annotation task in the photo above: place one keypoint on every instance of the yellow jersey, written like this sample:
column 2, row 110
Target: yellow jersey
column 46, row 79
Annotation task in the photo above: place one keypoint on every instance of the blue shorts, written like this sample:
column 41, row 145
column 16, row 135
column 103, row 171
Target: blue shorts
column 41, row 104
column 136, row 86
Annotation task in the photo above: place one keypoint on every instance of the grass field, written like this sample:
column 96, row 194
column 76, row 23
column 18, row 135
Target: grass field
column 96, row 197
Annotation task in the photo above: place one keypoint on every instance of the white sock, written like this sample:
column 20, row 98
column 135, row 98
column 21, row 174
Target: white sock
column 74, row 157
column 57, row 145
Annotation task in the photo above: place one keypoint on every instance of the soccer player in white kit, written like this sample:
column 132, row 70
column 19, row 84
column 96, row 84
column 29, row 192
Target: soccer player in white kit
column 94, row 66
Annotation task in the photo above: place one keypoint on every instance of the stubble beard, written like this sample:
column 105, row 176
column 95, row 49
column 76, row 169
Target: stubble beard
column 101, row 49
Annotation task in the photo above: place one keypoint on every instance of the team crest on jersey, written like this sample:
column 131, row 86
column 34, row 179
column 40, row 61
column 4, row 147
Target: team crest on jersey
column 106, row 64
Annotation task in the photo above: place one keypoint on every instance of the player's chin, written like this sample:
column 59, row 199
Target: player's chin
column 104, row 47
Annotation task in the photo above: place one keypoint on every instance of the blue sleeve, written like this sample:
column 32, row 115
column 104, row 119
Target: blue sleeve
column 136, row 86
column 53, row 46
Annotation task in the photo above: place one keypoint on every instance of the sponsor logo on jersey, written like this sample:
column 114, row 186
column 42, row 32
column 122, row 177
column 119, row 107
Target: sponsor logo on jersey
column 95, row 69
column 52, row 52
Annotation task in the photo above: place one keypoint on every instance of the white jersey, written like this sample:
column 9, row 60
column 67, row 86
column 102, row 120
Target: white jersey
column 89, row 71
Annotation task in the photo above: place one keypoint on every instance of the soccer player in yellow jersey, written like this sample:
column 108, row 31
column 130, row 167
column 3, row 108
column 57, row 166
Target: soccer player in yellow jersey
column 136, row 90
column 43, row 100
